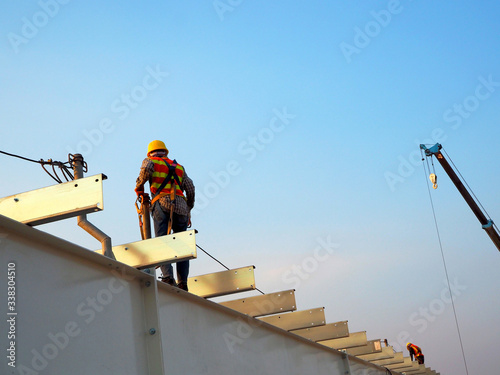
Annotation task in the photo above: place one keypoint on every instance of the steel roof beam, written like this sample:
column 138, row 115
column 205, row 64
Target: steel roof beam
column 155, row 251
column 372, row 346
column 267, row 304
column 297, row 319
column 354, row 339
column 223, row 283
column 55, row 202
column 326, row 332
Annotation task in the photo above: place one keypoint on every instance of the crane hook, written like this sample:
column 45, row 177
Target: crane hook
column 433, row 179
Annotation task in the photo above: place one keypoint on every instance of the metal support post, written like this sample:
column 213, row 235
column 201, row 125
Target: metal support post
column 82, row 219
column 347, row 365
column 154, row 347
column 145, row 223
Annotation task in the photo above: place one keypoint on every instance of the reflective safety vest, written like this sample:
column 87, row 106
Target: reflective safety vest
column 416, row 350
column 161, row 166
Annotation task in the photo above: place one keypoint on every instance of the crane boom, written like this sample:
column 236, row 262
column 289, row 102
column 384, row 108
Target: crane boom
column 486, row 223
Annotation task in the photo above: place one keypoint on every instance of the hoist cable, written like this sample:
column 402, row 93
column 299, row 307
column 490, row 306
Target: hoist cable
column 446, row 273
column 222, row 264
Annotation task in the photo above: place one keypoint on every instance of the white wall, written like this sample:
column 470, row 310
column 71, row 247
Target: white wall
column 81, row 313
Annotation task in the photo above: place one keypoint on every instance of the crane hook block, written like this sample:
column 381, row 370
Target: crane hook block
column 433, row 179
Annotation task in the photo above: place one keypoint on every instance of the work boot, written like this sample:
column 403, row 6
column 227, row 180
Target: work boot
column 169, row 280
column 183, row 285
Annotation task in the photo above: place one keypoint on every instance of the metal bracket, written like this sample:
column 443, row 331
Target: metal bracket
column 431, row 151
column 488, row 225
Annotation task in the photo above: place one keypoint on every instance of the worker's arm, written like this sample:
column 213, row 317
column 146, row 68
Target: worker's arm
column 188, row 187
column 147, row 169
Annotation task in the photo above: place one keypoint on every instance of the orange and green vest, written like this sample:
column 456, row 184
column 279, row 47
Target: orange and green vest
column 416, row 350
column 161, row 166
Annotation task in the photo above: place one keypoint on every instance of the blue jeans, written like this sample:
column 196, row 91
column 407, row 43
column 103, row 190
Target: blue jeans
column 179, row 224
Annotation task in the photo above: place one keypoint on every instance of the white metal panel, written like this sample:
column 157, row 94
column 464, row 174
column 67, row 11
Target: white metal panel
column 202, row 337
column 81, row 313
column 75, row 315
column 55, row 202
column 155, row 251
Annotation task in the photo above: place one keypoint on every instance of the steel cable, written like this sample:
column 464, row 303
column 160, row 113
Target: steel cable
column 446, row 273
column 222, row 264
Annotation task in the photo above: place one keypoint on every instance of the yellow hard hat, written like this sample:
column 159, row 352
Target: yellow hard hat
column 409, row 344
column 157, row 145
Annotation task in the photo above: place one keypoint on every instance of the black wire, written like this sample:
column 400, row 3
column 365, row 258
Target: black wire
column 433, row 167
column 64, row 167
column 428, row 170
column 222, row 264
column 55, row 179
column 199, row 247
column 67, row 174
column 55, row 173
column 20, row 157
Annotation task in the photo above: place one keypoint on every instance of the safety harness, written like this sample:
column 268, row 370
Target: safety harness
column 171, row 177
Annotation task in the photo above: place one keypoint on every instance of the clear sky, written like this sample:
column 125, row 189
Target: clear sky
column 299, row 122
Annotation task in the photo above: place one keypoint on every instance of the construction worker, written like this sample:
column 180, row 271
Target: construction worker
column 415, row 351
column 170, row 208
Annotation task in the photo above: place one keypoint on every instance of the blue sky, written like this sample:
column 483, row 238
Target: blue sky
column 321, row 144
